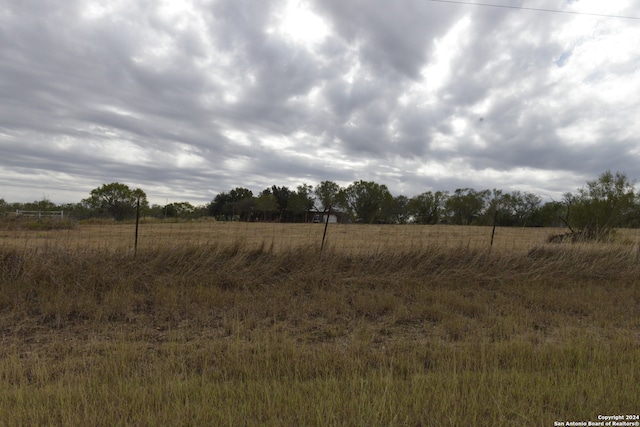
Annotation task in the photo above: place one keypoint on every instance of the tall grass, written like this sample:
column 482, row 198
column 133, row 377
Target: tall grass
column 346, row 238
column 236, row 334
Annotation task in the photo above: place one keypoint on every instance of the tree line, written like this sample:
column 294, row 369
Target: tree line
column 609, row 201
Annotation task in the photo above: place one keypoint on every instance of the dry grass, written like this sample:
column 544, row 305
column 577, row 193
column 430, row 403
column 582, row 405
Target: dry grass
column 257, row 332
column 345, row 238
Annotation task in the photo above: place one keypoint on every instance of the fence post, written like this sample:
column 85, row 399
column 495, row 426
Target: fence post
column 493, row 231
column 135, row 245
column 326, row 224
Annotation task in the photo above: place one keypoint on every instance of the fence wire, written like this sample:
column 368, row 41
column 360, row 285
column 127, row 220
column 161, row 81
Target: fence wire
column 347, row 238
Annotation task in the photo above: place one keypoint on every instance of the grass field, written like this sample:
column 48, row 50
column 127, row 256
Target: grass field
column 248, row 324
column 345, row 238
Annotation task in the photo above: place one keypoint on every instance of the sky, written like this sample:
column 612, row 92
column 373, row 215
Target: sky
column 186, row 99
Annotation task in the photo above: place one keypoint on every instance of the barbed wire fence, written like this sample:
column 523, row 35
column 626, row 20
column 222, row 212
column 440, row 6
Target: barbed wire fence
column 52, row 230
column 152, row 234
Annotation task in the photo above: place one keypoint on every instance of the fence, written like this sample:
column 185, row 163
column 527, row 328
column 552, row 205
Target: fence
column 348, row 238
column 40, row 214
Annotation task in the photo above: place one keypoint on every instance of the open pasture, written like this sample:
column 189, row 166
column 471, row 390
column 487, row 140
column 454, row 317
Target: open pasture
column 246, row 324
column 344, row 238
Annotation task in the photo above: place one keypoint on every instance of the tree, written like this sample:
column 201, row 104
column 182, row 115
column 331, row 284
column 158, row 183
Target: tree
column 513, row 209
column 75, row 210
column 237, row 203
column 116, row 199
column 43, row 204
column 466, row 205
column 217, row 206
column 529, row 208
column 301, row 202
column 241, row 203
column 365, row 201
column 428, row 207
column 239, row 194
column 400, row 209
column 550, row 214
column 604, row 203
column 266, row 203
column 178, row 210
column 327, row 194
column 282, row 195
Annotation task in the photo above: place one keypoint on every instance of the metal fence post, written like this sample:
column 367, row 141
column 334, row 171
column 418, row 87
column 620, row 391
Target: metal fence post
column 135, row 245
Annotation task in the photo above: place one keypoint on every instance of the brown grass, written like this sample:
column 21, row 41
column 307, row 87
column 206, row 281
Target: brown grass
column 235, row 331
column 345, row 238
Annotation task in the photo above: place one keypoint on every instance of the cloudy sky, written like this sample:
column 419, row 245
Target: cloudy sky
column 188, row 98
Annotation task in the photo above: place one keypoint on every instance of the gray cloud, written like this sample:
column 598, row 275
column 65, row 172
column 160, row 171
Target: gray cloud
column 418, row 95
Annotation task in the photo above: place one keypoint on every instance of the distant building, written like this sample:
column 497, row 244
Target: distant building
column 322, row 218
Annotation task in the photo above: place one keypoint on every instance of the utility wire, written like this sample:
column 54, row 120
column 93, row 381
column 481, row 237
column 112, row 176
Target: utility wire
column 602, row 15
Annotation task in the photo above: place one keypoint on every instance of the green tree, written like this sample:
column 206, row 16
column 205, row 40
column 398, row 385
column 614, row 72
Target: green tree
column 282, row 195
column 604, row 203
column 178, row 210
column 236, row 204
column 550, row 214
column 43, row 204
column 327, row 194
column 241, row 203
column 465, row 205
column 117, row 200
column 301, row 202
column 399, row 209
column 528, row 209
column 217, row 206
column 267, row 204
column 513, row 209
column 428, row 207
column 239, row 194
column 76, row 211
column 365, row 201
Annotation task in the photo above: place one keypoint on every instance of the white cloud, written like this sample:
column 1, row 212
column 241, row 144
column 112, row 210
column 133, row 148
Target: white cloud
column 297, row 22
column 437, row 72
